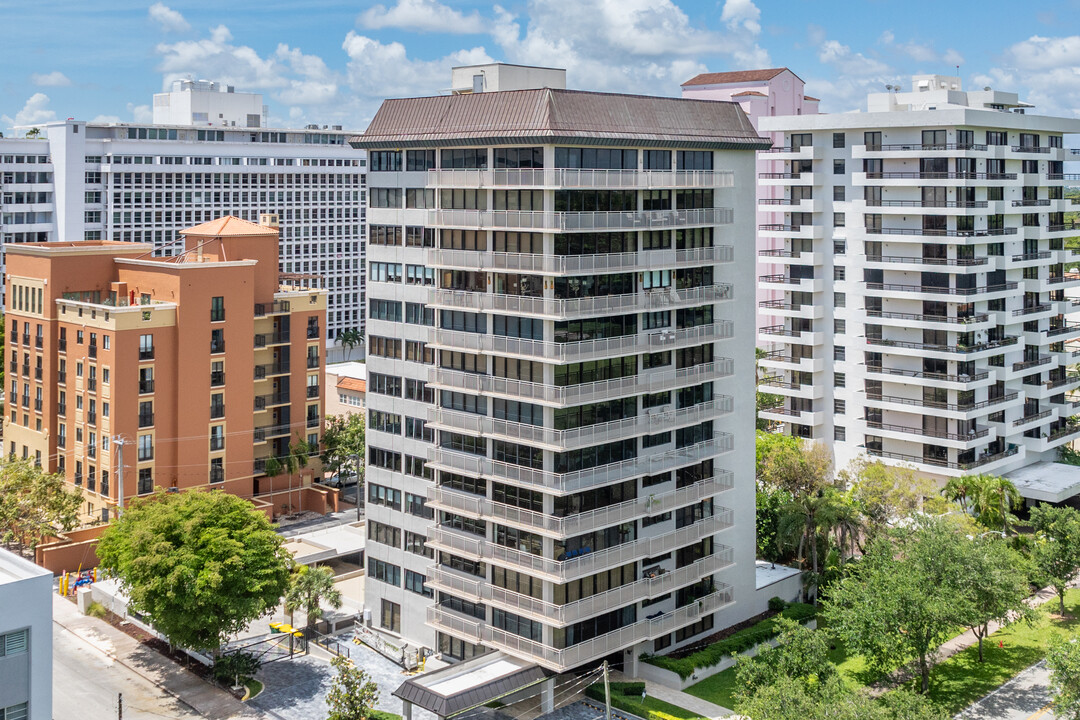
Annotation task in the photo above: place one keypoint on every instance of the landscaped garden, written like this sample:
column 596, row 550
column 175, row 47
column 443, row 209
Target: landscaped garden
column 626, row 696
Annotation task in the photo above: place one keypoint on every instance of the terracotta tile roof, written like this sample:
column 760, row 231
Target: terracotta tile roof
column 737, row 76
column 229, row 226
column 348, row 383
column 750, row 92
column 546, row 115
column 814, row 99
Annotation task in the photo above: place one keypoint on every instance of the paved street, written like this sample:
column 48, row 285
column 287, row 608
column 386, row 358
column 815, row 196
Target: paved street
column 86, row 681
column 1025, row 697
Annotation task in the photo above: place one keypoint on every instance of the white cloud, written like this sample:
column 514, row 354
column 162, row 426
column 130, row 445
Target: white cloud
column 917, row 52
column 315, row 84
column 140, row 113
column 856, row 75
column 169, row 20
column 887, row 38
column 36, row 110
column 106, row 119
column 952, row 57
column 217, row 58
column 375, row 68
column 53, row 79
column 741, row 12
column 1048, row 68
column 422, row 16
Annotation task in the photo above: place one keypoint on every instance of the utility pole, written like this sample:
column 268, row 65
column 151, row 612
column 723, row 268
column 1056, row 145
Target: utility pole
column 607, row 694
column 119, row 706
column 119, row 442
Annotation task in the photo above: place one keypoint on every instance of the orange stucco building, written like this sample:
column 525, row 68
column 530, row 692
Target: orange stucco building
column 195, row 368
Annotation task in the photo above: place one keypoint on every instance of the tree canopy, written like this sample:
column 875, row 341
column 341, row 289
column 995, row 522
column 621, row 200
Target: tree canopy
column 308, row 588
column 343, row 438
column 202, row 565
column 1063, row 659
column 34, row 504
column 352, row 694
column 1056, row 552
column 801, row 654
column 790, row 699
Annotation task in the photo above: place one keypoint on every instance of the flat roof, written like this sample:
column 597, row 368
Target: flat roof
column 1047, row 481
column 767, row 573
column 470, row 684
column 14, row 568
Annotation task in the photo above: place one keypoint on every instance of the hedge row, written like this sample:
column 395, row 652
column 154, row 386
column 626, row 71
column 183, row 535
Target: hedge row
column 382, row 715
column 742, row 640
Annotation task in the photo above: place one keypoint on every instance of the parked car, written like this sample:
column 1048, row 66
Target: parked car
column 339, row 480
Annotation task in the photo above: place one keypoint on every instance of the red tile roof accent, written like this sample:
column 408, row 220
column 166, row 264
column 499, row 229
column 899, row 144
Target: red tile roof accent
column 229, row 226
column 749, row 92
column 737, row 76
column 348, row 383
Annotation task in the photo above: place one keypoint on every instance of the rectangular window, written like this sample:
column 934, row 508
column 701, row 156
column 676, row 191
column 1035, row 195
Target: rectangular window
column 384, row 572
column 217, row 309
column 838, row 140
column 414, row 582
column 390, row 616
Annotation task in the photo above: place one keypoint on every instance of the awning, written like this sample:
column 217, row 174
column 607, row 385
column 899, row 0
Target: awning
column 467, row 685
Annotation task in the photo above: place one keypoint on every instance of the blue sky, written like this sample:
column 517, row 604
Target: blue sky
column 328, row 61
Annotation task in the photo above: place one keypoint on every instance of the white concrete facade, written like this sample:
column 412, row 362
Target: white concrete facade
column 500, row 77
column 760, row 93
column 924, row 319
column 145, row 183
column 520, row 554
column 26, row 637
column 207, row 103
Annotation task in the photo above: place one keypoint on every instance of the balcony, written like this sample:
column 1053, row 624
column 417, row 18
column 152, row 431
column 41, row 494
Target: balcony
column 938, row 176
column 919, row 317
column 146, row 353
column 578, row 264
column 263, row 402
column 559, row 440
column 269, row 370
column 313, row 422
column 217, row 442
column 313, row 333
column 1029, row 149
column 934, row 232
column 217, row 378
column 217, row 346
column 577, row 480
column 466, row 586
column 443, row 498
column 583, row 350
column 1068, row 226
column 985, row 459
column 1032, row 310
column 1033, row 418
column 645, row 383
column 1031, row 202
column 146, row 387
column 280, row 337
column 949, row 407
column 217, row 411
column 278, row 307
column 1027, row 257
column 578, row 221
column 146, row 420
column 1069, row 379
column 938, row 204
column 938, row 262
column 974, row 434
column 313, row 362
column 269, row 432
column 961, row 349
column 577, row 178
column 934, row 290
column 1028, row 364
column 920, row 147
column 805, row 230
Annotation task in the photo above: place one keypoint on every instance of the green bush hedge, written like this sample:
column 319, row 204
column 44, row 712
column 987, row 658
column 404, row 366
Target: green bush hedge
column 382, row 715
column 743, row 640
column 626, row 696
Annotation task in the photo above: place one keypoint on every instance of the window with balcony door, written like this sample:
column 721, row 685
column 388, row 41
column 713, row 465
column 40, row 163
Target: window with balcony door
column 217, row 470
column 146, row 447
column 217, row 309
column 217, row 405
column 217, row 438
column 217, row 340
column 146, row 481
column 146, row 347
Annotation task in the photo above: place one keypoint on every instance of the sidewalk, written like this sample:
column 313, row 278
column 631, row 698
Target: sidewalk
column 203, row 698
column 696, row 705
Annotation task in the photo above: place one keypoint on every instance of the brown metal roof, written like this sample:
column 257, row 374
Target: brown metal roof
column 738, row 76
column 546, row 115
column 749, row 92
column 814, row 99
column 228, row 226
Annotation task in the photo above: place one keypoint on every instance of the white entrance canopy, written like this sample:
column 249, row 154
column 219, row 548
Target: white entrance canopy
column 1046, row 481
column 467, row 685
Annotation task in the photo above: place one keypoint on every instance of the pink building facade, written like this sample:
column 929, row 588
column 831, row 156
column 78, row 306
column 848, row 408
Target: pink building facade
column 762, row 93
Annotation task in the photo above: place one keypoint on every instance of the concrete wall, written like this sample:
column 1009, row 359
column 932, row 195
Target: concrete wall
column 26, row 602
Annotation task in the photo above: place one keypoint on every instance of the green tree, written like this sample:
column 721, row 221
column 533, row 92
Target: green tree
column 886, row 494
column 309, row 588
column 295, row 459
column 202, row 565
column 899, row 603
column 769, row 505
column 1063, row 659
column 33, row 133
column 994, row 578
column 34, row 504
column 1056, row 551
column 995, row 499
column 790, row 699
column 352, row 694
column 801, row 654
column 769, row 443
column 349, row 339
column 344, row 438
column 764, row 400
column 960, row 490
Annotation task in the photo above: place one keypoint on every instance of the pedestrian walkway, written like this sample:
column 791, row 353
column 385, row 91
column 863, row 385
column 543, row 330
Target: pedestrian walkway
column 696, row 705
column 189, row 689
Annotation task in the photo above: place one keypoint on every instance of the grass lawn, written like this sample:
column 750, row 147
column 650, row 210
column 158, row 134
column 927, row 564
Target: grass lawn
column 651, row 708
column 961, row 679
column 254, row 687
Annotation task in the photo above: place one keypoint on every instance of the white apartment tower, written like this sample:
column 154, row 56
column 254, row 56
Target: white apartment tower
column 560, row 455
column 208, row 103
column 144, row 183
column 924, row 313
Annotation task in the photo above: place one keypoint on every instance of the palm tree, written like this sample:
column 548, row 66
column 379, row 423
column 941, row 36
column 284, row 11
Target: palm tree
column 350, row 339
column 847, row 522
column 807, row 517
column 295, row 458
column 997, row 498
column 960, row 489
column 309, row 588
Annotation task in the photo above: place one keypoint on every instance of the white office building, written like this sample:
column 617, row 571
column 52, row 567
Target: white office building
column 145, row 183
column 924, row 317
column 208, row 103
column 26, row 638
column 560, row 453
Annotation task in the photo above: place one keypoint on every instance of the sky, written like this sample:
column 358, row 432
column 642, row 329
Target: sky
column 333, row 62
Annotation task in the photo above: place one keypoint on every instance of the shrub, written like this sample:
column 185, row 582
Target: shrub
column 741, row 641
column 239, row 664
column 382, row 715
column 97, row 610
column 777, row 604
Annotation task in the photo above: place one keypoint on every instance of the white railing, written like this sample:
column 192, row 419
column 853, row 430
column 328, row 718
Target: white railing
column 461, row 543
column 443, row 498
column 646, row 382
column 650, row 423
column 579, row 221
column 582, row 350
column 443, row 579
column 573, row 264
column 660, row 299
column 579, row 178
column 566, row 483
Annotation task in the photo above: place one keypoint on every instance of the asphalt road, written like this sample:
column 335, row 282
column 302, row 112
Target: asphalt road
column 1025, row 697
column 86, row 682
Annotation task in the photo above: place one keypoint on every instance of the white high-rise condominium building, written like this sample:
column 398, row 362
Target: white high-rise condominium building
column 560, row 453
column 924, row 315
column 145, row 183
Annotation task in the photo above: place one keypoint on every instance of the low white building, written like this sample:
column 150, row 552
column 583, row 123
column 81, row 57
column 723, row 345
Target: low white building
column 205, row 102
column 25, row 639
column 349, row 383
